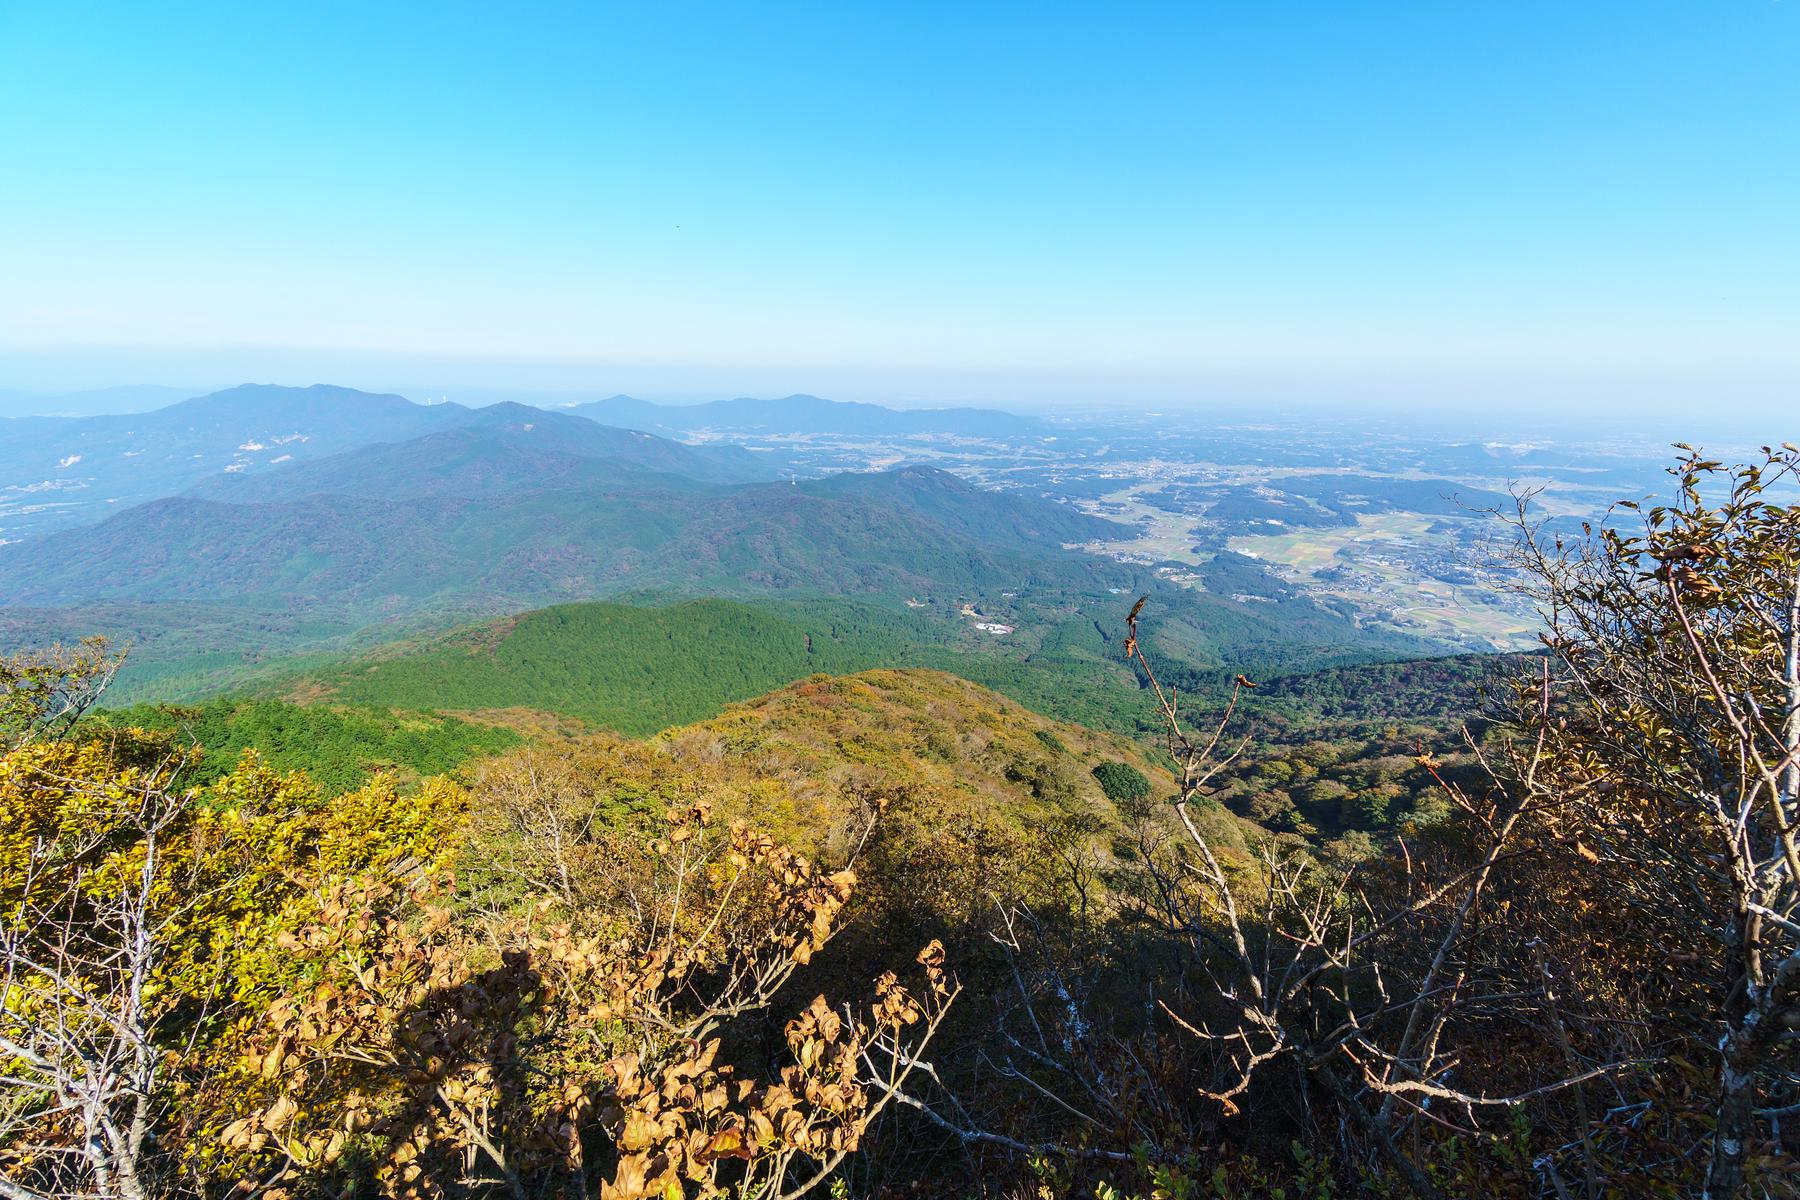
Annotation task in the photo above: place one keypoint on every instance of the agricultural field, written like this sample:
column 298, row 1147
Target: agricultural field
column 1436, row 577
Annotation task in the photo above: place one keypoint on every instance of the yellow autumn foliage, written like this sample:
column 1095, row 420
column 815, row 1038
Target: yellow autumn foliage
column 99, row 835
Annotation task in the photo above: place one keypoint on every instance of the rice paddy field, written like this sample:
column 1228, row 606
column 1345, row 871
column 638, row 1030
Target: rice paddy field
column 1388, row 562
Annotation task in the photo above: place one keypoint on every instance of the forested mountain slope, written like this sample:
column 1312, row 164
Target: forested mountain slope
column 499, row 449
column 944, row 750
column 339, row 747
column 87, row 466
column 854, row 534
column 638, row 668
column 60, row 471
column 629, row 668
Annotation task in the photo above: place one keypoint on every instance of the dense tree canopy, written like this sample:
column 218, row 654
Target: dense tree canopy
column 1121, row 781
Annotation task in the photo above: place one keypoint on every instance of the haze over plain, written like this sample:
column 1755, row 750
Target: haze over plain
column 1538, row 207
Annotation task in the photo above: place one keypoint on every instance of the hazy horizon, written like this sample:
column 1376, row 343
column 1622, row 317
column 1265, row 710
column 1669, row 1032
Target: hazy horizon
column 1500, row 404
column 1419, row 209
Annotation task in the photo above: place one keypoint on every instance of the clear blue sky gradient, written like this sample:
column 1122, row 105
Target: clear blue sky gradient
column 959, row 198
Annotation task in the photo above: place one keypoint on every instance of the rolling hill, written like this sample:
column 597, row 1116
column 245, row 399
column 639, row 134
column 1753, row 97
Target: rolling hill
column 57, row 471
column 866, row 534
column 916, row 540
column 637, row 668
column 629, row 668
column 972, row 781
column 797, row 755
column 61, row 471
column 458, row 514
column 500, row 449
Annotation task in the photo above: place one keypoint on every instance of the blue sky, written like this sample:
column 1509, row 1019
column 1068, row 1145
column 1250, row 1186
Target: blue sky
column 1338, row 201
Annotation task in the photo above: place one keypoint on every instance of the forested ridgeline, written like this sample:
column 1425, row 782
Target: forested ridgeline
column 1333, row 751
column 642, row 666
column 892, row 933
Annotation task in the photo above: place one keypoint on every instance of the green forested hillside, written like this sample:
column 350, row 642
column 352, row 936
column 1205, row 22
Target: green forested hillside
column 856, row 535
column 500, row 449
column 638, row 669
column 641, row 668
column 1449, row 688
column 258, row 441
column 1333, row 753
column 338, row 747
column 326, row 575
column 628, row 668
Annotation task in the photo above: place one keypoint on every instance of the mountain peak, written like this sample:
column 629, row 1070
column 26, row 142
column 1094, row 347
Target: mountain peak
column 263, row 396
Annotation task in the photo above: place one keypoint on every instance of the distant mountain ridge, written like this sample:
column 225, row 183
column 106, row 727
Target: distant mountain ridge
column 918, row 529
column 126, row 398
column 803, row 414
column 502, row 448
column 60, row 471
column 285, row 520
column 56, row 471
